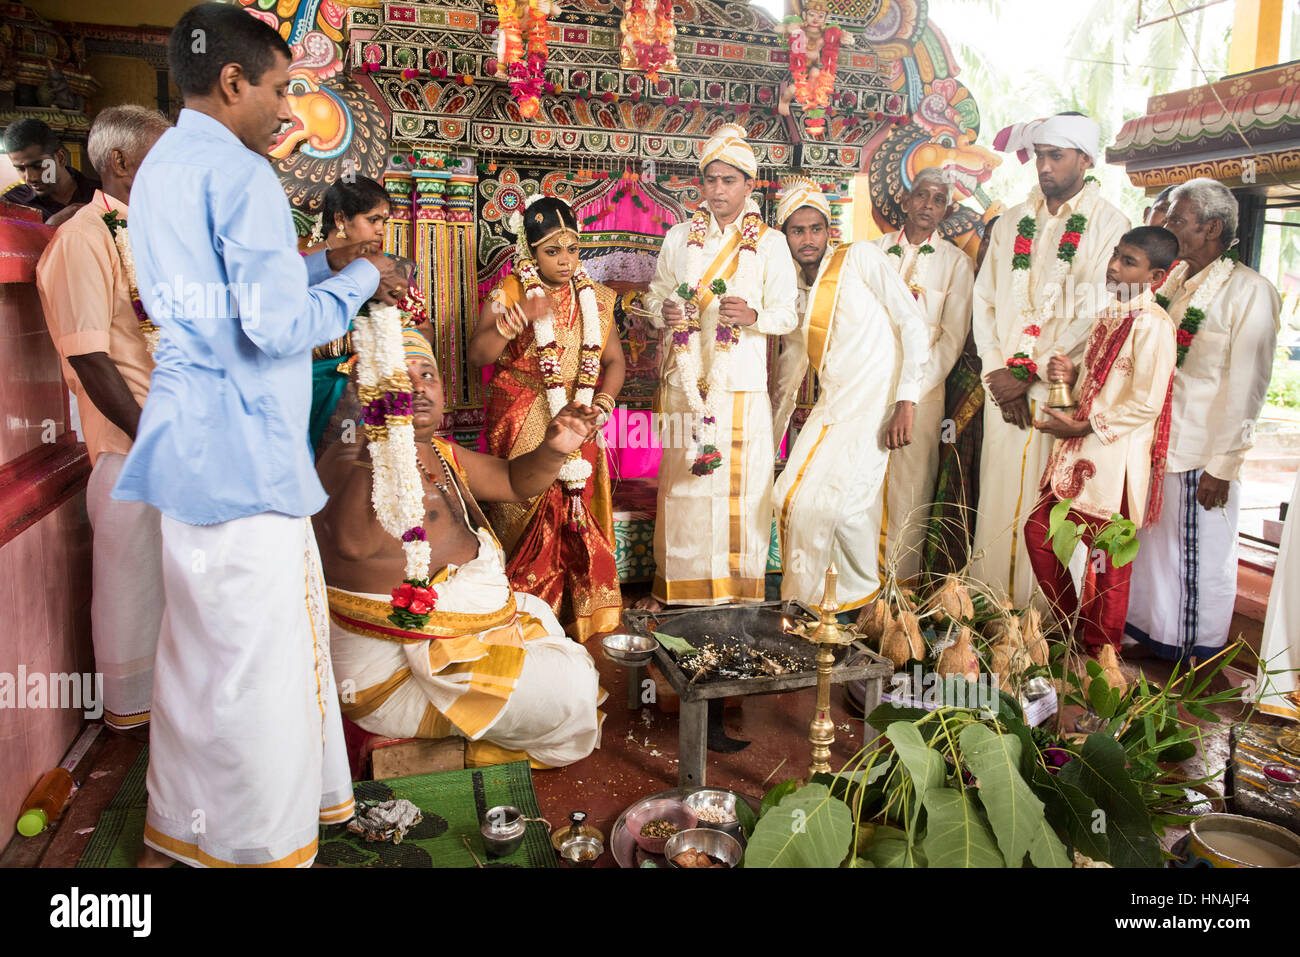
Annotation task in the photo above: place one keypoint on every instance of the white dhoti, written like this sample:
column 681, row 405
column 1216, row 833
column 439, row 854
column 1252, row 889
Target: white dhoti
column 1279, row 694
column 246, row 745
column 126, row 604
column 827, row 506
column 1011, row 464
column 902, row 511
column 505, row 675
column 712, row 532
column 1184, row 584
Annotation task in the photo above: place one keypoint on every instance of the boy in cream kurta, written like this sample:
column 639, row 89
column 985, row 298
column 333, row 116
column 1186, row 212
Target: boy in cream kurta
column 941, row 277
column 858, row 312
column 1014, row 454
column 1109, row 453
column 713, row 524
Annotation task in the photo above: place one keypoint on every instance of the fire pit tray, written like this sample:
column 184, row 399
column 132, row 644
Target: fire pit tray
column 760, row 626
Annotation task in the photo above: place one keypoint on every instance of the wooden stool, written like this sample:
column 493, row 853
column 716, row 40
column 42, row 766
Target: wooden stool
column 374, row 757
column 402, row 757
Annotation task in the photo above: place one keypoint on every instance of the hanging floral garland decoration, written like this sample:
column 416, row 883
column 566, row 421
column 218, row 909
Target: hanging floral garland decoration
column 649, row 47
column 117, row 229
column 524, row 65
column 812, row 94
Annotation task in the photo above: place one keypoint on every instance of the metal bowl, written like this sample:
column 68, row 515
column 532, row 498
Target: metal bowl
column 670, row 810
column 723, row 801
column 628, row 649
column 717, row 844
column 1232, row 840
column 581, row 851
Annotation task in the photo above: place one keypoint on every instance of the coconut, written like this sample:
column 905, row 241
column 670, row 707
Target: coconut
column 995, row 627
column 1110, row 668
column 1031, row 630
column 874, row 619
column 902, row 640
column 959, row 658
column 953, row 600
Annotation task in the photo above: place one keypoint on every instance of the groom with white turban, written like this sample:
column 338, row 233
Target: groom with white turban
column 1038, row 293
column 863, row 333
column 724, row 282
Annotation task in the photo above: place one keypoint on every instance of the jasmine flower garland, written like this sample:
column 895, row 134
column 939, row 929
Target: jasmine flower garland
column 576, row 470
column 397, row 490
column 687, row 348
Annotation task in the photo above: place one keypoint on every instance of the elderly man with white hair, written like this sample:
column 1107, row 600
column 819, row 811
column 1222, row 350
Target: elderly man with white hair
column 1185, row 575
column 88, row 290
column 723, row 283
column 941, row 278
column 866, row 337
column 1042, row 284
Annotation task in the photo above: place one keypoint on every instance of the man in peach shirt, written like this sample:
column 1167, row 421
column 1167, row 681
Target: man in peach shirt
column 86, row 292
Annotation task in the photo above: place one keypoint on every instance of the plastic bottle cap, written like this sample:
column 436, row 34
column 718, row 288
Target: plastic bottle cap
column 32, row 823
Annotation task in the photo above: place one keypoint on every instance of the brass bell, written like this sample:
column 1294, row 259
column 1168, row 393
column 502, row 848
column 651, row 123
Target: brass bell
column 1059, row 397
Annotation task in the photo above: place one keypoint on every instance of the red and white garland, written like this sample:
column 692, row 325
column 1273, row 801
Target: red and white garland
column 705, row 399
column 576, row 470
column 1194, row 314
column 1022, row 362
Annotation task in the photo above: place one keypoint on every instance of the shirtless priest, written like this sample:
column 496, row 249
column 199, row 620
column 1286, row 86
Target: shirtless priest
column 491, row 664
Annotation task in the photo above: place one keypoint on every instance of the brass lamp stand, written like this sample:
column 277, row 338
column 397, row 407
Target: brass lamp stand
column 827, row 636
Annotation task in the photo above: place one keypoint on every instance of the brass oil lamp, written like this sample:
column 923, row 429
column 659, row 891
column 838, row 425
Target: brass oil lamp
column 827, row 636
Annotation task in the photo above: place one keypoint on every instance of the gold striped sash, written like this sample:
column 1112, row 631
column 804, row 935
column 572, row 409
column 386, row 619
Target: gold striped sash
column 822, row 311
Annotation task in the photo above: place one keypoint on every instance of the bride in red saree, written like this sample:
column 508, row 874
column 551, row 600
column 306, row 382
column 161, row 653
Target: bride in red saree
column 550, row 331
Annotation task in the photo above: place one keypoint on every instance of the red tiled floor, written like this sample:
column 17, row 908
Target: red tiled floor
column 638, row 753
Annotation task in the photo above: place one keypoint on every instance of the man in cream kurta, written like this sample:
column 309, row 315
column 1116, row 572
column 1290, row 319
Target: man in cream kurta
column 1185, row 575
column 1062, row 304
column 865, row 335
column 941, row 277
column 713, row 530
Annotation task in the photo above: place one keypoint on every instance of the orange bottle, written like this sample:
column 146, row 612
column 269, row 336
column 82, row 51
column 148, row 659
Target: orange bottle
column 45, row 803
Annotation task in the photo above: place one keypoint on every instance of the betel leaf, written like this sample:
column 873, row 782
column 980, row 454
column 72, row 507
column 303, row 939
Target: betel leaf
column 1072, row 812
column 745, row 817
column 1100, row 772
column 1014, row 811
column 679, row 645
column 1103, row 698
column 1057, row 515
column 1065, row 541
column 891, row 850
column 778, row 791
column 956, row 834
column 924, row 765
column 1124, row 553
column 809, row 828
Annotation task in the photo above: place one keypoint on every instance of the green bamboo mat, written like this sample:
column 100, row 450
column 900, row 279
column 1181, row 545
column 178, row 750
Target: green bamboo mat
column 453, row 803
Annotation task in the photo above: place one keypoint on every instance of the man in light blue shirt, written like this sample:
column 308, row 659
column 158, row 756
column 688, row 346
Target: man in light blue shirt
column 246, row 747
